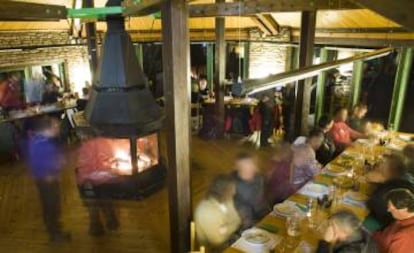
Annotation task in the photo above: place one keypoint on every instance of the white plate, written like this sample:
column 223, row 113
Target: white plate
column 255, row 236
column 314, row 190
column 285, row 208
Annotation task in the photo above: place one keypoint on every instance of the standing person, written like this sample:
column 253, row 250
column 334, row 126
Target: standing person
column 398, row 237
column 51, row 94
column 249, row 198
column 326, row 152
column 266, row 112
column 344, row 234
column 341, row 133
column 204, row 90
column 45, row 160
column 95, row 160
column 215, row 217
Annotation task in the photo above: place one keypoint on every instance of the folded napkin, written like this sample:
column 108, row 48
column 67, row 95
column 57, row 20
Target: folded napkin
column 245, row 246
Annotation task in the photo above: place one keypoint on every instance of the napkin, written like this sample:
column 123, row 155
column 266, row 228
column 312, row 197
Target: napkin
column 243, row 245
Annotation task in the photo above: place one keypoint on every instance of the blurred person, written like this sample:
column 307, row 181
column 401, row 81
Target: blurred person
column 204, row 90
column 51, row 94
column 326, row 151
column 386, row 175
column 83, row 101
column 278, row 111
column 11, row 92
column 265, row 107
column 305, row 165
column 344, row 234
column 341, row 133
column 249, row 199
column 357, row 120
column 408, row 155
column 215, row 216
column 391, row 166
column 46, row 162
column 279, row 179
column 95, row 162
column 398, row 236
column 35, row 88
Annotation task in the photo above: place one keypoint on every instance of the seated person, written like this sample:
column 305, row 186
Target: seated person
column 215, row 217
column 204, row 90
column 279, row 181
column 386, row 175
column 249, row 199
column 341, row 133
column 344, row 234
column 357, row 121
column 408, row 155
column 305, row 165
column 398, row 236
column 390, row 167
column 83, row 101
column 326, row 152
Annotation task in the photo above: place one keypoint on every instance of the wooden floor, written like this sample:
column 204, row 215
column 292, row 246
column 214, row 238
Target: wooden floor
column 144, row 224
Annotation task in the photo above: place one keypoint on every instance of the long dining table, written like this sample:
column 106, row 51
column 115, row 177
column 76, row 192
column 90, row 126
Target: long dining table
column 353, row 158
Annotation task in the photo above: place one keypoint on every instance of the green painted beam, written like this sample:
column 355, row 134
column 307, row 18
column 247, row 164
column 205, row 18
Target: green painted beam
column 94, row 12
column 246, row 60
column 400, row 87
column 210, row 65
column 140, row 55
column 320, row 87
column 357, row 74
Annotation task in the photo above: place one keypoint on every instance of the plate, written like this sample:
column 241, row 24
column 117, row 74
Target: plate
column 335, row 169
column 285, row 209
column 256, row 237
column 344, row 182
column 404, row 137
column 356, row 196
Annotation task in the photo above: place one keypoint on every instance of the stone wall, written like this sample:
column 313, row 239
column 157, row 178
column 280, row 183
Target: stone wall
column 268, row 55
column 41, row 48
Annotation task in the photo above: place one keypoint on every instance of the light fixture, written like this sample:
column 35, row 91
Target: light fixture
column 257, row 85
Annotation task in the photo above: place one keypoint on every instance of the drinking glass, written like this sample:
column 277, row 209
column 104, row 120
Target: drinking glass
column 293, row 225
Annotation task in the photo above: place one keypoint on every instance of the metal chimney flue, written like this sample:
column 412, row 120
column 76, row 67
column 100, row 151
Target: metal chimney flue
column 121, row 105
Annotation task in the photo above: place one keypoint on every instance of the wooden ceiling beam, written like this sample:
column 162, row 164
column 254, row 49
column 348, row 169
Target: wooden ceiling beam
column 268, row 21
column 19, row 11
column 399, row 11
column 260, row 25
column 141, row 8
column 249, row 8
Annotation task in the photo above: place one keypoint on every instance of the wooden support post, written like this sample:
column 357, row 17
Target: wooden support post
column 140, row 55
column 220, row 72
column 302, row 103
column 176, row 68
column 91, row 38
column 210, row 65
column 246, row 60
column 320, row 87
column 400, row 87
column 357, row 75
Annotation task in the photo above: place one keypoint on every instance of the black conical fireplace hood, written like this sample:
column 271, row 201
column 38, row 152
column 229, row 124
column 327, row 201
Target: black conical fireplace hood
column 120, row 104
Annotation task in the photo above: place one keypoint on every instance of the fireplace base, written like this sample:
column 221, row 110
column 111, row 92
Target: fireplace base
column 135, row 187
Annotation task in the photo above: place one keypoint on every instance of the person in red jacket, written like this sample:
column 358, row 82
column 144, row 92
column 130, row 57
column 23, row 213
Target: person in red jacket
column 398, row 237
column 341, row 133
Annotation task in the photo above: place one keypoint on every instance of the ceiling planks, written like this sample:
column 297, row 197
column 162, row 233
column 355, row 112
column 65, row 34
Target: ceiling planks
column 400, row 11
